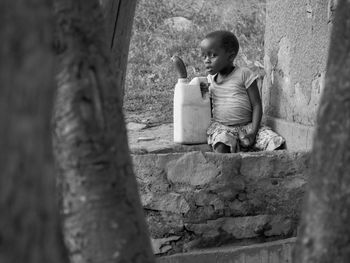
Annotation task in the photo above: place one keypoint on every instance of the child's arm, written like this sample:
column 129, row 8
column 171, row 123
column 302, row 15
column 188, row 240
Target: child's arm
column 255, row 100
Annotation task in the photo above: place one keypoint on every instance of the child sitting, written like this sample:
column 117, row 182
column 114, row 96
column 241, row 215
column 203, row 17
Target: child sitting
column 236, row 102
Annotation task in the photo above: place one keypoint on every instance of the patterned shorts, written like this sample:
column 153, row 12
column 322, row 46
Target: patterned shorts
column 266, row 139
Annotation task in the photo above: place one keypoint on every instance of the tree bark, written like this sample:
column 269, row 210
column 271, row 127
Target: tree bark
column 30, row 229
column 104, row 219
column 118, row 33
column 325, row 231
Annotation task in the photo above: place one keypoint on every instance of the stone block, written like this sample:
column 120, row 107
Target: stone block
column 150, row 174
column 201, row 214
column 238, row 208
column 243, row 227
column 161, row 224
column 192, row 169
column 279, row 226
column 271, row 195
column 162, row 245
column 170, row 202
column 277, row 164
column 205, row 198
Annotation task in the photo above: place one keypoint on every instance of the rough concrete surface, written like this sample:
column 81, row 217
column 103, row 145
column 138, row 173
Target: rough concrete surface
column 296, row 47
column 157, row 139
column 269, row 252
column 298, row 137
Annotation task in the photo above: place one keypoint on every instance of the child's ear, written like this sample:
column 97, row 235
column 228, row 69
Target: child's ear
column 232, row 56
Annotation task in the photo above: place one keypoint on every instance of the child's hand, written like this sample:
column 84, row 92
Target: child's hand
column 247, row 140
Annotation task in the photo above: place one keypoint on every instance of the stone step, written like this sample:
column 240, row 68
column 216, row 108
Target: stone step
column 270, row 252
column 202, row 199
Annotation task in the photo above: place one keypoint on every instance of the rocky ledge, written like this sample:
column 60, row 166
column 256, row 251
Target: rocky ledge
column 202, row 199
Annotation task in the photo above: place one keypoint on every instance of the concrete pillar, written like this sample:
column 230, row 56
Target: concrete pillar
column 296, row 48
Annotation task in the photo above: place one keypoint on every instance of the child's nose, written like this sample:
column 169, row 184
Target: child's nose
column 206, row 59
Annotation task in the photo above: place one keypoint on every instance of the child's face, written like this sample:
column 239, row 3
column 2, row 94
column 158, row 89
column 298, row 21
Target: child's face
column 215, row 57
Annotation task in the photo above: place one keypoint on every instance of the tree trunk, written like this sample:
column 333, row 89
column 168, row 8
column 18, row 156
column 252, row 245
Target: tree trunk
column 30, row 230
column 325, row 231
column 104, row 220
column 118, row 27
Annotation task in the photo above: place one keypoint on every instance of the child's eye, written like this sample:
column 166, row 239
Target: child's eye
column 209, row 55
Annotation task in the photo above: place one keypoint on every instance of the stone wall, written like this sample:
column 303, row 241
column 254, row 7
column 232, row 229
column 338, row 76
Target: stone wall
column 296, row 47
column 194, row 200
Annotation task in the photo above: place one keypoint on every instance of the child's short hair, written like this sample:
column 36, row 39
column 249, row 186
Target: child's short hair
column 228, row 40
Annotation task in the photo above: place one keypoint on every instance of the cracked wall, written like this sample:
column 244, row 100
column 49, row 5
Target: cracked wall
column 296, row 47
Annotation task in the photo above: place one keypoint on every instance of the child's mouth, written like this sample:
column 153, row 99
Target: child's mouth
column 209, row 69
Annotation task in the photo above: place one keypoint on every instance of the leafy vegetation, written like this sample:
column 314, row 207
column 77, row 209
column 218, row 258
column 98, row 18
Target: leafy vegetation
column 151, row 77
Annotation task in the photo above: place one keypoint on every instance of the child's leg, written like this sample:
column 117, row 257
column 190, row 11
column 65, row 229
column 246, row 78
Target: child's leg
column 222, row 139
column 268, row 140
column 220, row 147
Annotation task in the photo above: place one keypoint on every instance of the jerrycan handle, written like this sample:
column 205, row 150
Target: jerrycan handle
column 203, row 85
column 179, row 67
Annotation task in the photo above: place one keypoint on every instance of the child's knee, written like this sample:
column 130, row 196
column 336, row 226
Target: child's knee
column 221, row 148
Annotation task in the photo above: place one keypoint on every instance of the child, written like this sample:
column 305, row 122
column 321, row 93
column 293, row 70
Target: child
column 236, row 101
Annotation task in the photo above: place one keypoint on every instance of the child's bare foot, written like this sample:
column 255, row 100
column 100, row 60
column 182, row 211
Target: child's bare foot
column 222, row 148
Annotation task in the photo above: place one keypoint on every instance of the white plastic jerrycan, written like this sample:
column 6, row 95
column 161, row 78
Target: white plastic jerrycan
column 192, row 110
